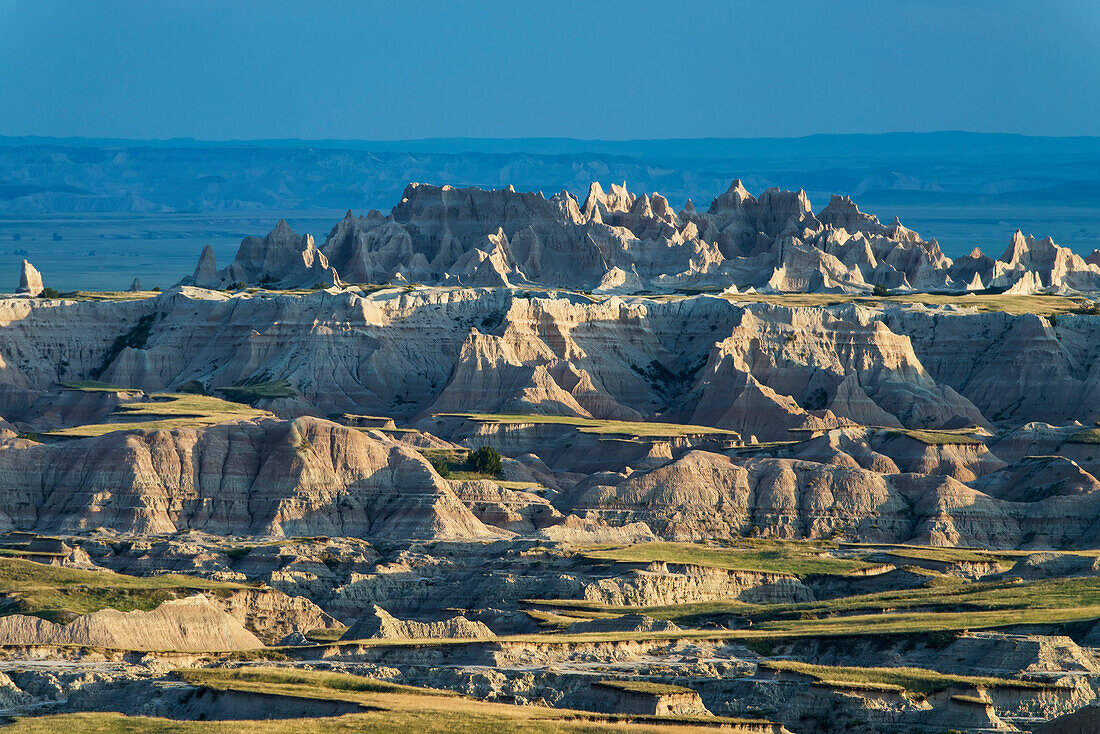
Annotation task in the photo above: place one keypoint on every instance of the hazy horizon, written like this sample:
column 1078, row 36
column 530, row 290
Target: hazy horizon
column 520, row 138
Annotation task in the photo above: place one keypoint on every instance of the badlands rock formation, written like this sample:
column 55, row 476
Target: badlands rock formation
column 281, row 259
column 857, row 397
column 702, row 488
column 619, row 242
column 303, row 477
column 376, row 622
column 30, row 280
column 182, row 624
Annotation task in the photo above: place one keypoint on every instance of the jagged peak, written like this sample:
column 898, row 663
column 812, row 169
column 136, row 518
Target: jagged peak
column 30, row 280
column 1017, row 246
column 595, row 196
column 804, row 200
column 733, row 198
column 737, row 187
column 206, row 270
column 660, row 206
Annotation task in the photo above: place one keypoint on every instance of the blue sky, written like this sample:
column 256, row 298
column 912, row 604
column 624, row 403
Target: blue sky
column 607, row 69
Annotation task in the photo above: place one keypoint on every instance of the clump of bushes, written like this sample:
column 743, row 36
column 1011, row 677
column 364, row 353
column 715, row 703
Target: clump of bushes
column 486, row 460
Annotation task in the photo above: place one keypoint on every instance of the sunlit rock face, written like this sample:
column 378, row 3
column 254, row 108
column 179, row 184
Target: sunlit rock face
column 620, row 242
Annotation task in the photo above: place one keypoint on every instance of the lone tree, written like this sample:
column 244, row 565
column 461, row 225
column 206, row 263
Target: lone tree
column 881, row 290
column 485, row 460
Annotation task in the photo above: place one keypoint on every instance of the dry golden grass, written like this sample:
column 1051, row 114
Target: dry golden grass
column 54, row 592
column 916, row 682
column 798, row 559
column 392, row 708
column 402, row 719
column 166, row 411
column 632, row 429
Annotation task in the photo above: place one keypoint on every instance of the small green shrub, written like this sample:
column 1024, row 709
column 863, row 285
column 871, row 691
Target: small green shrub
column 486, row 460
column 880, row 290
column 48, row 292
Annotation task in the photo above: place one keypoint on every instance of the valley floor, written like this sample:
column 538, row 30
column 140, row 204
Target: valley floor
column 453, row 509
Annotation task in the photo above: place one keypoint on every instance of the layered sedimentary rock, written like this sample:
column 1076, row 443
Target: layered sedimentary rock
column 303, row 477
column 706, row 495
column 621, row 242
column 272, row 615
column 183, row 624
column 846, row 391
column 377, row 622
column 756, row 369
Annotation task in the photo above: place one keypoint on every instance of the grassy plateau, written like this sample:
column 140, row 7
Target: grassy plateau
column 57, row 593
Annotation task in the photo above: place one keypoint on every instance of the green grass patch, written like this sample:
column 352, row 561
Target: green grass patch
column 916, row 682
column 1024, row 600
column 184, row 405
column 555, row 622
column 165, row 411
column 945, row 604
column 518, row 486
column 451, row 464
column 765, row 556
column 326, row 634
column 936, row 438
column 392, row 714
column 109, row 295
column 253, row 392
column 846, row 685
column 57, row 593
column 945, row 555
column 231, row 678
column 1088, row 435
column 392, row 708
column 91, row 386
column 632, row 429
column 645, row 687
